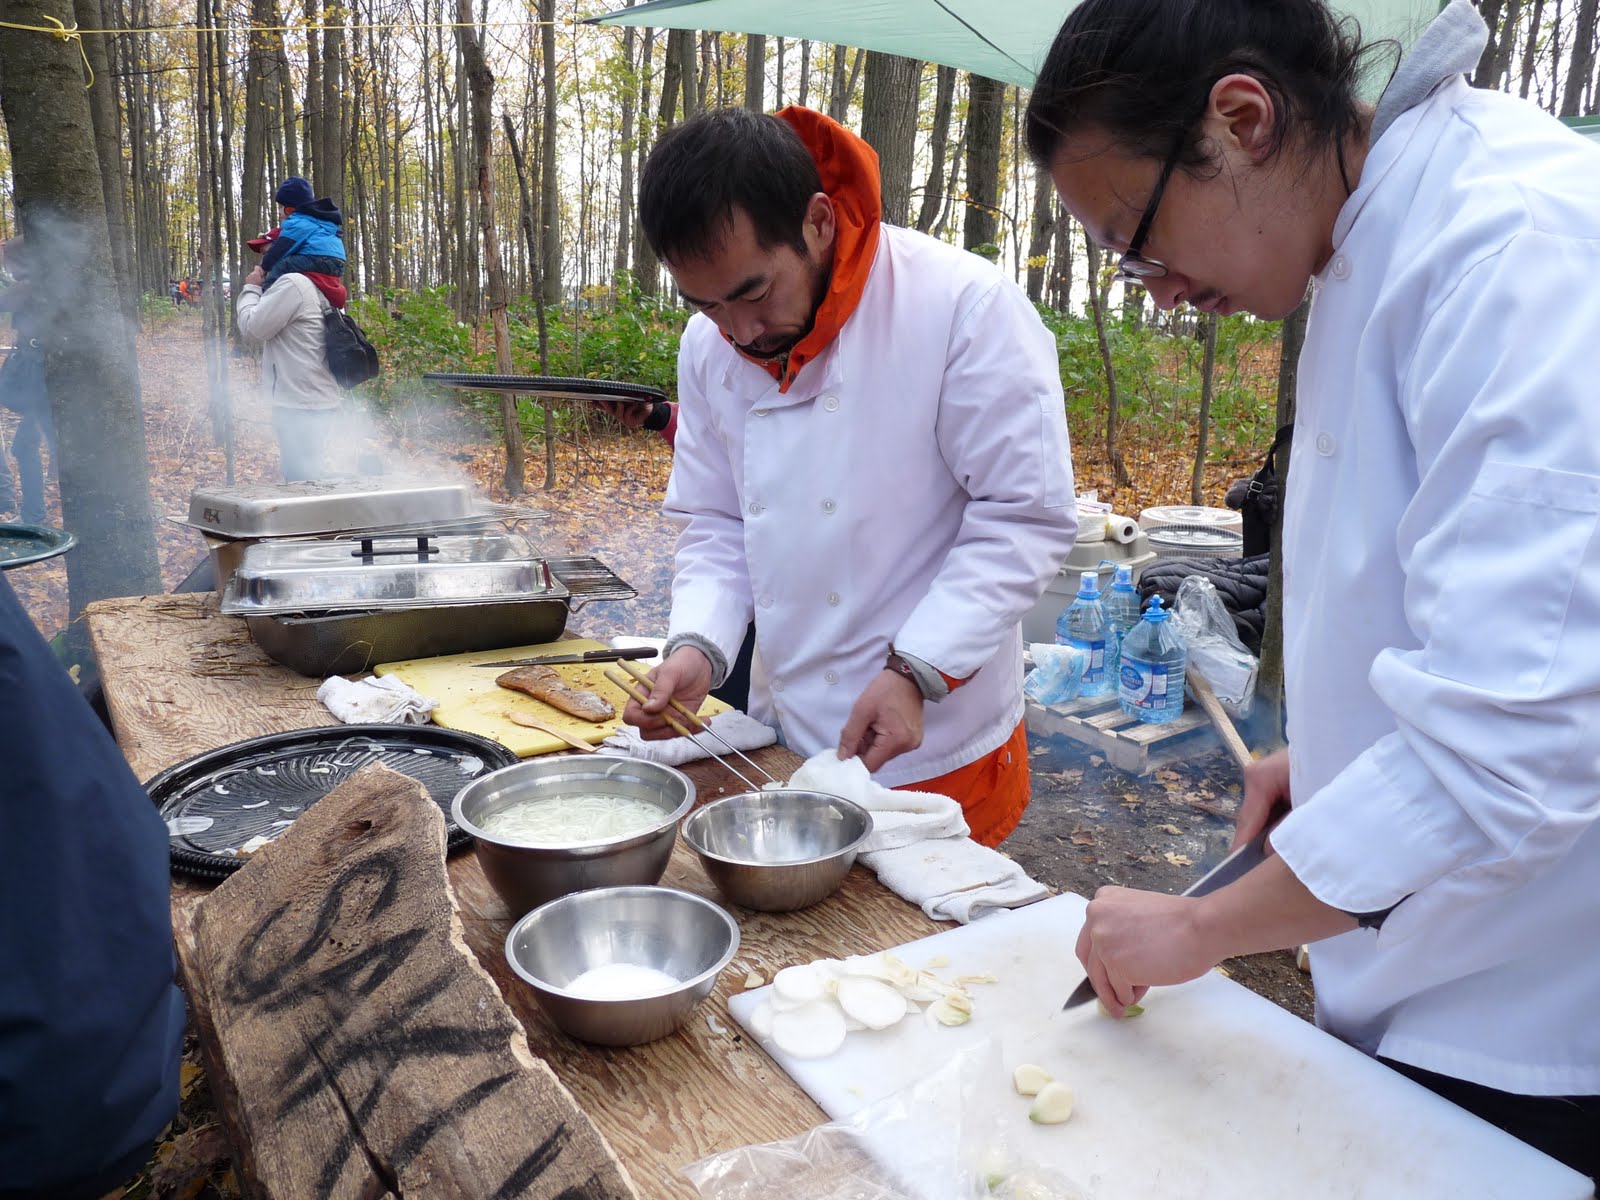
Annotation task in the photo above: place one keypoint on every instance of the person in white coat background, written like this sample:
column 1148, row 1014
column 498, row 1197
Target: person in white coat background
column 871, row 462
column 1441, row 530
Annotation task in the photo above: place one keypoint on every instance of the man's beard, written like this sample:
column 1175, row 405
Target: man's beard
column 775, row 348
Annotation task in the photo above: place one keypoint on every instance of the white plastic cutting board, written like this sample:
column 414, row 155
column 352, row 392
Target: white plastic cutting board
column 1214, row 1092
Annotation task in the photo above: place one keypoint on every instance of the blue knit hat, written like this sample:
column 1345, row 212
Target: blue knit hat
column 294, row 192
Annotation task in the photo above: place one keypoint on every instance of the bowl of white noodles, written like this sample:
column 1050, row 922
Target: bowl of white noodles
column 548, row 827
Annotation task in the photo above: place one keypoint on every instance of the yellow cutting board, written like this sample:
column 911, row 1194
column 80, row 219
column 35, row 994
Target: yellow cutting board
column 471, row 701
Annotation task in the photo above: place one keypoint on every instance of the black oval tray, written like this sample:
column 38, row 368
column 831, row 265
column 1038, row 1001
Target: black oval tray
column 261, row 785
column 554, row 386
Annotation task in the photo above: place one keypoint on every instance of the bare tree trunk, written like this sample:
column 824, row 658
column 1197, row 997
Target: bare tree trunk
column 625, row 150
column 804, row 92
column 108, row 147
column 938, row 147
column 549, row 163
column 755, row 72
column 259, row 59
column 90, row 370
column 1061, row 274
column 1044, row 224
column 1269, row 675
column 838, row 97
column 1208, row 387
column 1489, row 10
column 313, row 107
column 889, row 126
column 1582, row 63
column 688, row 75
column 985, row 116
column 481, row 83
column 549, row 414
column 1097, row 304
column 646, row 269
column 331, row 165
column 1529, row 47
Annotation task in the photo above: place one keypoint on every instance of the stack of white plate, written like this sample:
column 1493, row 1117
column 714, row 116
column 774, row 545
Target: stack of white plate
column 1177, row 542
column 1191, row 516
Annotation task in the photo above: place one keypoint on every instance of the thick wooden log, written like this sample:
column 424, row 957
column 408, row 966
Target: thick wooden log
column 338, row 983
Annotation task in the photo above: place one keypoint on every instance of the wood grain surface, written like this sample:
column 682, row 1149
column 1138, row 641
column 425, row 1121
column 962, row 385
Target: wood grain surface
column 181, row 679
column 381, row 1057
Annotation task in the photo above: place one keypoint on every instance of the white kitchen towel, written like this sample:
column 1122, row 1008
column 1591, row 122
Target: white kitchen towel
column 375, row 700
column 898, row 818
column 741, row 730
column 954, row 878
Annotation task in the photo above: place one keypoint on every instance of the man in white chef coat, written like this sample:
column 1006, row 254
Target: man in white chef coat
column 1441, row 524
column 871, row 462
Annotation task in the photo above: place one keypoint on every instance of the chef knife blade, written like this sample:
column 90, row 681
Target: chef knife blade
column 1247, row 857
column 588, row 656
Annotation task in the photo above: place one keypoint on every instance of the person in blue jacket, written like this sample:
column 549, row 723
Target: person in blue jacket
column 91, row 1020
column 310, row 238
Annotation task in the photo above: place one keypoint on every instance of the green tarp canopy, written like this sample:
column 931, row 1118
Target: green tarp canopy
column 1003, row 39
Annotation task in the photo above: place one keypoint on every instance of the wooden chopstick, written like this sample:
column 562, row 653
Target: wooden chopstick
column 633, row 689
column 643, row 677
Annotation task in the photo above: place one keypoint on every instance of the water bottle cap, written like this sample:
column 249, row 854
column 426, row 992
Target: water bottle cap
column 1089, row 585
column 1123, row 577
column 1156, row 613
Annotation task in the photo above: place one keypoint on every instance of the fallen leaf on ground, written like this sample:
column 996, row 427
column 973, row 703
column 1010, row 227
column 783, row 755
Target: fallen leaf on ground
column 1172, row 829
column 1179, row 860
column 1082, row 837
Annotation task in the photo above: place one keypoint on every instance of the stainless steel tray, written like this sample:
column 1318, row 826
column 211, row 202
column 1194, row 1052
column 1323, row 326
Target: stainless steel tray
column 387, row 573
column 328, row 506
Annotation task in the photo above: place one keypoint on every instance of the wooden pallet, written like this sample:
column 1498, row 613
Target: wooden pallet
column 1127, row 743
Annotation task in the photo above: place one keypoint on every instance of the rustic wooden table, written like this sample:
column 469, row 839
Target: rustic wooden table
column 181, row 679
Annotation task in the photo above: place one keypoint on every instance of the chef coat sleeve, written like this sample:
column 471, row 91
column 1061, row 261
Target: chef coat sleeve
column 1003, row 433
column 710, row 581
column 1492, row 773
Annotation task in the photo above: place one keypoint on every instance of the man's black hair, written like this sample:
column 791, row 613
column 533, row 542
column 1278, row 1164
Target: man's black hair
column 1142, row 71
column 721, row 160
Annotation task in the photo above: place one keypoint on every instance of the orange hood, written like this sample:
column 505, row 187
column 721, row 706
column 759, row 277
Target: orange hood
column 849, row 170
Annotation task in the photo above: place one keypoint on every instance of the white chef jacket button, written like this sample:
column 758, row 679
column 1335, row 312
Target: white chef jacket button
column 833, row 599
column 755, row 508
column 831, row 676
column 831, row 403
column 761, row 412
column 766, row 602
column 1341, row 267
column 1325, row 444
column 829, row 506
column 776, row 685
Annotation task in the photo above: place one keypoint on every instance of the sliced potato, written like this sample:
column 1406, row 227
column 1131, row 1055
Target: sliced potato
column 871, row 1001
column 1029, row 1079
column 813, row 1030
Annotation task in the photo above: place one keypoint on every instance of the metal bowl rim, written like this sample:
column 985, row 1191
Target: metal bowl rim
column 687, row 985
column 690, row 828
column 624, row 843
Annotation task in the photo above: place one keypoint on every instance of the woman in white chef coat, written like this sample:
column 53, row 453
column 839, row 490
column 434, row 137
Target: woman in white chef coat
column 1442, row 523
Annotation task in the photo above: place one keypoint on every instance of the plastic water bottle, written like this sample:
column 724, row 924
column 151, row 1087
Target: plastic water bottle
column 1083, row 624
column 1153, row 662
column 1122, row 614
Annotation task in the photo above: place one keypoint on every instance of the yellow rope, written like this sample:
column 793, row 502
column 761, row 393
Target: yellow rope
column 57, row 30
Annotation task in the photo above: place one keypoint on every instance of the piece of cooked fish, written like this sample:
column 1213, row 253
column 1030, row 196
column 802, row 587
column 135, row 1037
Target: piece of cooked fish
column 545, row 683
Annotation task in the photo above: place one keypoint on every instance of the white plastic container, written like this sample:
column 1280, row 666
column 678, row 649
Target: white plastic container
column 1039, row 622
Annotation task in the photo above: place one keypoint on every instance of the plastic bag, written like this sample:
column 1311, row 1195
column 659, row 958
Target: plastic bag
column 1057, row 673
column 1215, row 650
column 932, row 1141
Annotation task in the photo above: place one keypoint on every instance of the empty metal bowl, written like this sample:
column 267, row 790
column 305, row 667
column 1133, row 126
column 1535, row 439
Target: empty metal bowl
column 778, row 850
column 527, row 876
column 678, row 933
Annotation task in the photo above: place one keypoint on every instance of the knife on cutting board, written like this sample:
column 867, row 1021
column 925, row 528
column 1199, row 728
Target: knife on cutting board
column 588, row 656
column 1247, row 857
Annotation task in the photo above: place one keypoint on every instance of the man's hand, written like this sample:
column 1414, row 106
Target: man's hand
column 684, row 677
column 256, row 276
column 627, row 413
column 886, row 721
column 1132, row 940
column 1266, row 786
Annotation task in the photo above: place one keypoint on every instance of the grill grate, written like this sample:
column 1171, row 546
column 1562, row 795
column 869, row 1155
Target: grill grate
column 587, row 578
